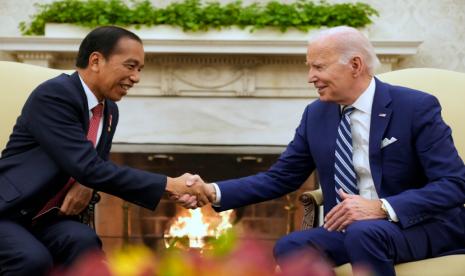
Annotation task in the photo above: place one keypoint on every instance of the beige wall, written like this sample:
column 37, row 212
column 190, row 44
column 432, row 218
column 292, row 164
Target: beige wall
column 439, row 23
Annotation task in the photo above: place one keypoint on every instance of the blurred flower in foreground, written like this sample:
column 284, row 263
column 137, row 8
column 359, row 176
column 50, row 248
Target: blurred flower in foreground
column 306, row 262
column 93, row 264
column 132, row 260
column 225, row 256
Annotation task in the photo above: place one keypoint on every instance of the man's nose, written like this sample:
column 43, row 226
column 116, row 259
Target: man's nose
column 311, row 76
column 135, row 76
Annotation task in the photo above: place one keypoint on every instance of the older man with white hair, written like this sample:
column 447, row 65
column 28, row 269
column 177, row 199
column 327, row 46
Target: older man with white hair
column 393, row 182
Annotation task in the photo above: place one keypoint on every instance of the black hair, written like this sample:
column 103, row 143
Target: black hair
column 103, row 40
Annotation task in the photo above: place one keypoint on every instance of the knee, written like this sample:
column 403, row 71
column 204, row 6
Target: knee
column 286, row 246
column 30, row 262
column 84, row 237
column 366, row 231
column 77, row 243
column 39, row 262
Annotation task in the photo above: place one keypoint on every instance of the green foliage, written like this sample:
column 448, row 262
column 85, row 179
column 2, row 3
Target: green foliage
column 195, row 15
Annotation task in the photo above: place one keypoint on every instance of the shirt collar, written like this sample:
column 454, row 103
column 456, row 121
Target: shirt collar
column 92, row 101
column 365, row 100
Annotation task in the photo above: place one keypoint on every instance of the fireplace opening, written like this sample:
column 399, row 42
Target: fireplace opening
column 119, row 222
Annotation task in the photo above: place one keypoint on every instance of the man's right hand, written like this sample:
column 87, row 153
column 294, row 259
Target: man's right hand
column 76, row 200
column 187, row 186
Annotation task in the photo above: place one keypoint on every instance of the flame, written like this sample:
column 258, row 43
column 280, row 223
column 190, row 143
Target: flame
column 197, row 227
column 225, row 223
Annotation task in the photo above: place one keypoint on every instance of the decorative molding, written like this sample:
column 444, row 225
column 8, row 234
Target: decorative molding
column 34, row 55
column 167, row 80
column 203, row 59
column 215, row 59
column 215, row 46
column 225, row 77
column 36, row 58
column 248, row 83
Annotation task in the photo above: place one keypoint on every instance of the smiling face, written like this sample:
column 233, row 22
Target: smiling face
column 119, row 72
column 333, row 80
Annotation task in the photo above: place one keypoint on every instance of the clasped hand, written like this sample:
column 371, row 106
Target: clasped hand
column 352, row 208
column 190, row 191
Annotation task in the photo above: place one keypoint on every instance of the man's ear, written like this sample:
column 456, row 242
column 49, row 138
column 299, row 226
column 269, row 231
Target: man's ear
column 356, row 64
column 95, row 60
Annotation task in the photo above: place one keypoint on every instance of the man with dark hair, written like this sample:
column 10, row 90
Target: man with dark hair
column 63, row 136
column 102, row 40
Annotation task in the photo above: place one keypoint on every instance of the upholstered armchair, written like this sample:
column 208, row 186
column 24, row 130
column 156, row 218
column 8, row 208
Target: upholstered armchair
column 18, row 80
column 449, row 88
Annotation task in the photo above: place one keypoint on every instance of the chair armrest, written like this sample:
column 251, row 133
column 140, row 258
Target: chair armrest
column 311, row 200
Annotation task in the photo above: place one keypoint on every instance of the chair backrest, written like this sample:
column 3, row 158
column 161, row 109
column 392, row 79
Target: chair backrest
column 18, row 80
column 447, row 86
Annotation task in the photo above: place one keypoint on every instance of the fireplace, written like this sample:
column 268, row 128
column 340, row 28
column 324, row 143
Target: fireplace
column 119, row 222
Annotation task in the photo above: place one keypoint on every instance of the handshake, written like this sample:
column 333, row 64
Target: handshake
column 190, row 191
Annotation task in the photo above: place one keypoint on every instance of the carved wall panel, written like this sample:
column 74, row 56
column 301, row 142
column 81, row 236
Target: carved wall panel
column 216, row 76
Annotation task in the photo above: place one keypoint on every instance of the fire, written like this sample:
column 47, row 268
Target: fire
column 197, row 227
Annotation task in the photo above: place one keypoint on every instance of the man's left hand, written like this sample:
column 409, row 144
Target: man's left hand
column 76, row 200
column 352, row 208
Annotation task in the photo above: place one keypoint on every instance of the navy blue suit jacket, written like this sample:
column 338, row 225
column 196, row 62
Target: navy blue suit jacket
column 421, row 174
column 49, row 145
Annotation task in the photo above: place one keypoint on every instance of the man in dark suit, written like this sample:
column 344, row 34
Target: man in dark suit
column 393, row 182
column 63, row 136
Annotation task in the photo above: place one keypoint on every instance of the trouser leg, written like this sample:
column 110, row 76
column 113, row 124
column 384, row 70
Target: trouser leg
column 20, row 251
column 379, row 244
column 331, row 244
column 67, row 240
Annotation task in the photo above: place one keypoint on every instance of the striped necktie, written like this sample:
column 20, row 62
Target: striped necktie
column 344, row 173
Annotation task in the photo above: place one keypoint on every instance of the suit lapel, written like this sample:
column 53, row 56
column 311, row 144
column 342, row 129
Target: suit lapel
column 380, row 118
column 84, row 104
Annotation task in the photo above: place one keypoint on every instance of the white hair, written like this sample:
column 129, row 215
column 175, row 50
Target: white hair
column 350, row 42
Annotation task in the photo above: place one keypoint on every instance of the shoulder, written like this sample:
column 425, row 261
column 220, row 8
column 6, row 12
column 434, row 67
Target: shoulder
column 58, row 94
column 61, row 87
column 318, row 108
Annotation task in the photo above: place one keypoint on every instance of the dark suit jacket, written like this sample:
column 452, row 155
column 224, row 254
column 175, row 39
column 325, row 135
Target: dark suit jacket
column 49, row 144
column 421, row 174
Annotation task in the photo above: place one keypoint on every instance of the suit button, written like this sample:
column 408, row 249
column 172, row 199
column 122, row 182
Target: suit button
column 23, row 212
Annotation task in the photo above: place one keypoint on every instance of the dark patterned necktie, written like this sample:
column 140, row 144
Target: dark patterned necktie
column 344, row 173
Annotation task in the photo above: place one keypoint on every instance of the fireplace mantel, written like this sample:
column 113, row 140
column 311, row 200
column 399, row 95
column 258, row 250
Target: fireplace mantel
column 65, row 38
column 56, row 45
column 207, row 90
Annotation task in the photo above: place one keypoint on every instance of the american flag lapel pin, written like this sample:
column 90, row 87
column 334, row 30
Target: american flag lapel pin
column 109, row 122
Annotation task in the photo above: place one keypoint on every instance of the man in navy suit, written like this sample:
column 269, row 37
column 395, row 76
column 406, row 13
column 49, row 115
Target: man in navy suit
column 50, row 148
column 408, row 198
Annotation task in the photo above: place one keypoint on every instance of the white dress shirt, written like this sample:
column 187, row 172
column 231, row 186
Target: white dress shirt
column 92, row 102
column 360, row 121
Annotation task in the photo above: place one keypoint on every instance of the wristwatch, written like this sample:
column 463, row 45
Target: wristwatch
column 385, row 210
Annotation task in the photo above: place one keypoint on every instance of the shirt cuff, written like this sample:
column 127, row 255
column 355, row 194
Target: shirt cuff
column 391, row 212
column 218, row 195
